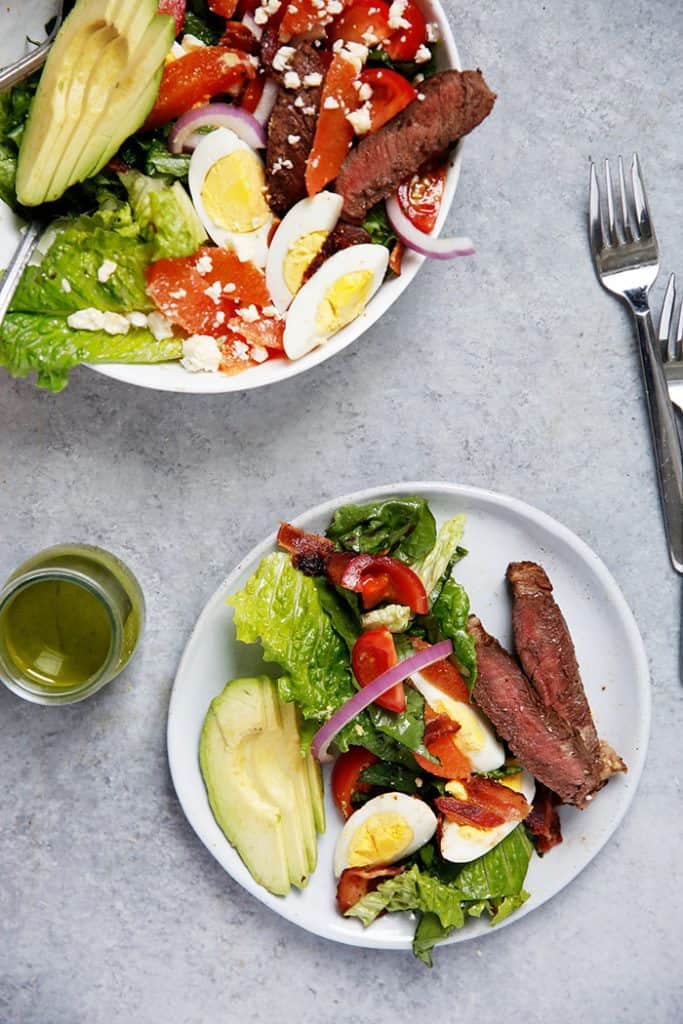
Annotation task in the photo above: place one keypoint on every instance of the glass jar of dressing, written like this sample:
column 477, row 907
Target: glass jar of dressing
column 70, row 620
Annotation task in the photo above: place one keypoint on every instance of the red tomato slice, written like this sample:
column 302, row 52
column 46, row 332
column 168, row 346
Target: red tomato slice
column 176, row 8
column 380, row 578
column 224, row 8
column 444, row 675
column 373, row 653
column 237, row 36
column 193, row 79
column 179, row 292
column 302, row 16
column 421, row 195
column 249, row 100
column 391, row 93
column 333, row 133
column 345, row 773
column 403, row 44
column 365, row 21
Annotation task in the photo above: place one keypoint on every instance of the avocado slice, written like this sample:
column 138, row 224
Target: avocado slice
column 265, row 796
column 93, row 85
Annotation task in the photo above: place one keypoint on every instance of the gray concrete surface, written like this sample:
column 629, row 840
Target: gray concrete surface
column 513, row 371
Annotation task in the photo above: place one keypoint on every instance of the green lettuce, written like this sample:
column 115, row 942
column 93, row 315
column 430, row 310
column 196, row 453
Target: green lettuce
column 501, row 871
column 402, row 527
column 412, row 890
column 164, row 214
column 338, row 610
column 450, row 611
column 280, row 607
column 48, row 347
column 406, row 727
column 377, row 225
column 432, row 567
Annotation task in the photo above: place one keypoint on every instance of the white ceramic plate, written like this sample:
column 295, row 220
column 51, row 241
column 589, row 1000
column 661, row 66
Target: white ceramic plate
column 172, row 376
column 609, row 648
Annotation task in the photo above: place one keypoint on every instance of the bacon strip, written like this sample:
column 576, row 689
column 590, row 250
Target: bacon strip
column 355, row 883
column 544, row 821
column 310, row 552
column 488, row 804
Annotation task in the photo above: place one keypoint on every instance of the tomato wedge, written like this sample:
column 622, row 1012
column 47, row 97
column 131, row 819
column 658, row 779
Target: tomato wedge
column 404, row 43
column 443, row 674
column 224, row 8
column 176, row 8
column 391, row 93
column 333, row 133
column 303, row 16
column 366, row 22
column 249, row 100
column 379, row 578
column 237, row 36
column 345, row 773
column 421, row 195
column 373, row 653
column 193, row 79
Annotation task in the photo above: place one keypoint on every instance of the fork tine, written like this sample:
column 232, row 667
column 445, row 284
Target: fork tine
column 640, row 199
column 628, row 233
column 666, row 315
column 611, row 229
column 595, row 226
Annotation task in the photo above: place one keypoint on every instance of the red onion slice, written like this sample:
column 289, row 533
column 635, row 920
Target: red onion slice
column 418, row 241
column 185, row 135
column 361, row 700
column 265, row 105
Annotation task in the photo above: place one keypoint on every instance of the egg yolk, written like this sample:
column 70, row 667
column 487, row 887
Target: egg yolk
column 513, row 782
column 232, row 192
column 343, row 301
column 470, row 735
column 300, row 255
column 382, row 838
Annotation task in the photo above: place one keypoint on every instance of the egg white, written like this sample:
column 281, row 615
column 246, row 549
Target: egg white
column 417, row 815
column 316, row 213
column 249, row 245
column 490, row 754
column 301, row 334
column 463, row 843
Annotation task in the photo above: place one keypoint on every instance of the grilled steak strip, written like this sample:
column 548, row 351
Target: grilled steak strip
column 454, row 103
column 546, row 652
column 343, row 236
column 542, row 741
column 285, row 160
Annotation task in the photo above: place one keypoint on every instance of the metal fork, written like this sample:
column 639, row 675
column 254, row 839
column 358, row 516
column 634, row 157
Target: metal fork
column 26, row 65
column 625, row 253
column 670, row 336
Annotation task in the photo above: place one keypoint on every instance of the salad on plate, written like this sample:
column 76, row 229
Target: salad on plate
column 450, row 756
column 223, row 183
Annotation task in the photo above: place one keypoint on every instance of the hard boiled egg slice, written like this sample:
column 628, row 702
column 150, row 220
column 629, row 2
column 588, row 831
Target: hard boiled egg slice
column 334, row 296
column 384, row 830
column 296, row 243
column 463, row 843
column 227, row 184
column 474, row 738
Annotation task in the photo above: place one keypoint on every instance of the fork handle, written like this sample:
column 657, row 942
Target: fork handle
column 664, row 435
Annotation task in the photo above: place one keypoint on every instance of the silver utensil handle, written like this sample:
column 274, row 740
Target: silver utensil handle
column 21, row 69
column 664, row 436
column 11, row 277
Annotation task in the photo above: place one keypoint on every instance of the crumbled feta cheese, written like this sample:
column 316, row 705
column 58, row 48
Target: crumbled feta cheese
column 66, row 287
column 422, row 54
column 291, row 80
column 418, row 79
column 365, row 91
column 292, row 140
column 396, row 12
column 259, row 354
column 260, row 16
column 432, row 32
column 175, row 52
column 315, row 78
column 105, row 270
column 282, row 58
column 248, row 313
column 334, row 7
column 264, row 12
column 159, row 326
column 91, row 319
column 299, row 102
column 137, row 319
column 179, row 293
column 421, row 97
column 309, row 111
column 331, row 103
column 369, row 37
column 271, row 311
column 229, row 287
column 189, row 43
column 281, row 165
column 201, row 354
column 204, row 264
column 240, row 349
column 220, row 317
column 354, row 53
column 360, row 120
column 214, row 291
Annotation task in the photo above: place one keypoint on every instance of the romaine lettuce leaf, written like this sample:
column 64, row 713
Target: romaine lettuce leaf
column 412, row 890
column 450, row 611
column 280, row 607
column 338, row 610
column 164, row 214
column 432, row 566
column 501, row 871
column 429, row 931
column 406, row 727
column 402, row 527
column 395, row 617
column 508, row 905
column 48, row 347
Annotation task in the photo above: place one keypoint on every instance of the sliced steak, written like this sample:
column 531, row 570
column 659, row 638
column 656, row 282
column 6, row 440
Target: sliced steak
column 454, row 103
column 542, row 741
column 546, row 652
column 294, row 117
column 343, row 236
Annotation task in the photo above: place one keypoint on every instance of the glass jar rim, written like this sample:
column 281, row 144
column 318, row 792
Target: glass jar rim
column 41, row 695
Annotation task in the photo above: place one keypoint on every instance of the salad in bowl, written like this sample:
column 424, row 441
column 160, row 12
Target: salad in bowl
column 231, row 191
